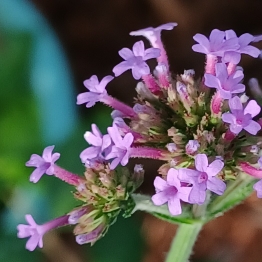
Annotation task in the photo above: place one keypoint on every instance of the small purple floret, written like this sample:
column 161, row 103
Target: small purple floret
column 120, row 149
column 44, row 164
column 96, row 90
column 170, row 191
column 224, row 83
column 203, row 178
column 36, row 232
column 240, row 118
column 135, row 60
column 216, row 44
column 99, row 144
column 244, row 40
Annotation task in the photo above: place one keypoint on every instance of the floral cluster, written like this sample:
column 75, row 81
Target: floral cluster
column 205, row 132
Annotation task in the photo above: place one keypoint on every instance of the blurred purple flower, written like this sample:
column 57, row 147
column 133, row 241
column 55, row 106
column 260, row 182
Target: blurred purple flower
column 36, row 232
column 170, row 191
column 135, row 60
column 240, row 118
column 244, row 40
column 203, row 178
column 120, row 149
column 97, row 90
column 216, row 44
column 99, row 144
column 44, row 164
column 226, row 84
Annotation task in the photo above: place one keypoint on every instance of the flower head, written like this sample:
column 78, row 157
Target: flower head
column 244, row 40
column 240, row 118
column 216, row 44
column 121, row 147
column 96, row 90
column 36, row 232
column 226, row 84
column 135, row 60
column 44, row 164
column 99, row 144
column 203, row 178
column 170, row 191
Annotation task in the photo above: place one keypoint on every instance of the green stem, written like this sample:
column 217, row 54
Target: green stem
column 183, row 242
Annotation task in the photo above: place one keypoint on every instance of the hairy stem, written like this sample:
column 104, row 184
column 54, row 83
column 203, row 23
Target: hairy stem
column 183, row 242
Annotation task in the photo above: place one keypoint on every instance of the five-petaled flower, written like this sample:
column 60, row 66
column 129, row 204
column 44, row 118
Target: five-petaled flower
column 135, row 60
column 203, row 178
column 96, row 90
column 244, row 40
column 216, row 44
column 227, row 85
column 240, row 118
column 36, row 232
column 170, row 191
column 121, row 148
column 99, row 144
column 44, row 164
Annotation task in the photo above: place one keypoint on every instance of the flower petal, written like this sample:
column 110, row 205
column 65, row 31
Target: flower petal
column 216, row 185
column 201, row 162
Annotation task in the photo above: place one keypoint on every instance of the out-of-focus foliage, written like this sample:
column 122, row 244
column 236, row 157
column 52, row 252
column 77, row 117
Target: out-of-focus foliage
column 22, row 121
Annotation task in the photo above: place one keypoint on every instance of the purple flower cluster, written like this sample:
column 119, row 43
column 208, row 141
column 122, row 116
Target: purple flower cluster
column 189, row 185
column 205, row 136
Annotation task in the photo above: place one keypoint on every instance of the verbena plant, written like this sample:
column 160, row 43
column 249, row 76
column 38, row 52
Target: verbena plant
column 204, row 130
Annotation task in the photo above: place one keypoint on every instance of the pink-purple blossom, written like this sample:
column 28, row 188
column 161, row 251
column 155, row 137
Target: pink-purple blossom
column 36, row 232
column 224, row 83
column 99, row 144
column 240, row 118
column 203, row 178
column 154, row 34
column 170, row 191
column 96, row 90
column 121, row 148
column 244, row 40
column 192, row 147
column 216, row 44
column 154, row 37
column 44, row 164
column 135, row 60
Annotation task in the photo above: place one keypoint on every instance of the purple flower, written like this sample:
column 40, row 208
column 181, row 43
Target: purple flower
column 216, row 44
column 99, row 144
column 258, row 185
column 240, row 118
column 154, row 34
column 192, row 147
column 244, row 40
column 97, row 90
column 226, row 84
column 135, row 60
column 35, row 232
column 203, row 178
column 120, row 149
column 170, row 191
column 44, row 164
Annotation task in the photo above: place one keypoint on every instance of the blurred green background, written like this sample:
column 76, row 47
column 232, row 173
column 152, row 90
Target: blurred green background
column 47, row 49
